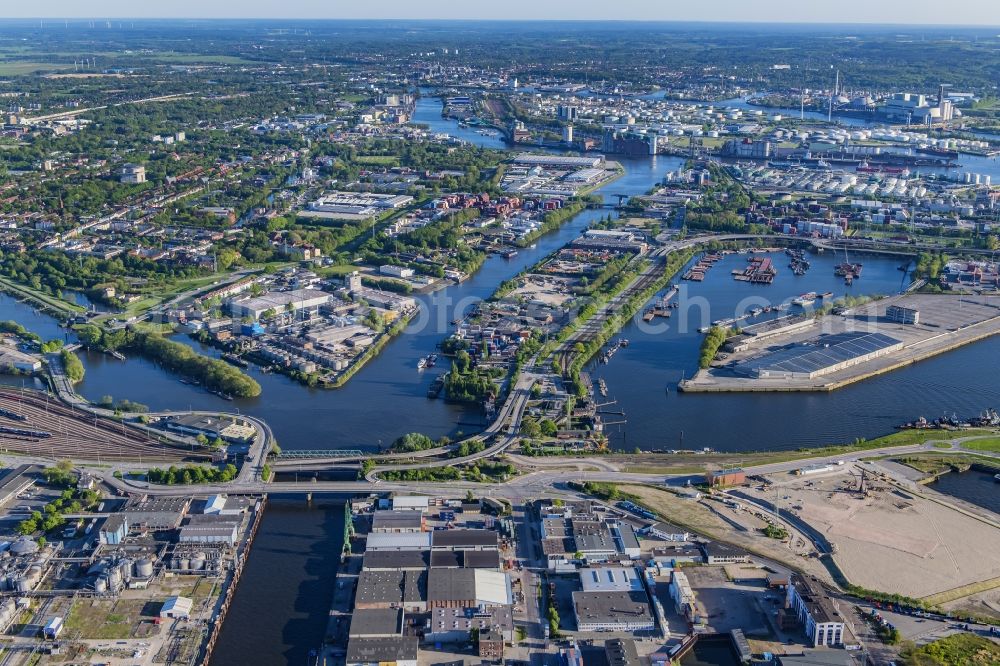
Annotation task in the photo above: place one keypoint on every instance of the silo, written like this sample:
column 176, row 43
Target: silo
column 100, row 585
column 198, row 561
column 144, row 568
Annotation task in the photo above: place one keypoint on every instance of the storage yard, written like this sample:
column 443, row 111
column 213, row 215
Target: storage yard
column 851, row 345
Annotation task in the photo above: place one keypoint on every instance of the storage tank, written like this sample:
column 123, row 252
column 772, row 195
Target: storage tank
column 114, row 578
column 144, row 568
column 185, row 564
column 100, row 585
column 198, row 561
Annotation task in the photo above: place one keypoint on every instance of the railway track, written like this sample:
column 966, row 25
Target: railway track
column 592, row 328
column 76, row 434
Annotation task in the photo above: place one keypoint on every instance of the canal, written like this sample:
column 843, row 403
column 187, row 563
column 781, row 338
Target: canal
column 973, row 486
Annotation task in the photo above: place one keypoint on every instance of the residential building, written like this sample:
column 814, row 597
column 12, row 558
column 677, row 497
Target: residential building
column 133, row 174
column 491, row 644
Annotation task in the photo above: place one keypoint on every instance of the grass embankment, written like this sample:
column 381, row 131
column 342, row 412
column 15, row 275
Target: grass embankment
column 935, row 464
column 958, row 649
column 961, row 592
column 989, row 444
column 43, row 300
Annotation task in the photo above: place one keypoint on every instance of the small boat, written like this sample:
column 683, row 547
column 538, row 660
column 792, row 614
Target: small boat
column 509, row 254
column 805, row 300
column 421, row 364
column 996, row 477
column 431, row 360
column 826, row 294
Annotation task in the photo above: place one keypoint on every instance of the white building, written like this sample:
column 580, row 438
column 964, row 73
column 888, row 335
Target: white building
column 133, row 174
column 816, row 611
column 395, row 271
column 178, row 608
column 308, row 300
column 610, row 579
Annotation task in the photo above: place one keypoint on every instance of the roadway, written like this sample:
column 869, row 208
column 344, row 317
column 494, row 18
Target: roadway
column 525, row 486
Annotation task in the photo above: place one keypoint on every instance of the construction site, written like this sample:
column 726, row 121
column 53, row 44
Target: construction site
column 883, row 531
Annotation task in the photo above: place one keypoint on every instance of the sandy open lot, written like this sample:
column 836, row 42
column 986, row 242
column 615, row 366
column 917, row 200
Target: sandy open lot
column 891, row 540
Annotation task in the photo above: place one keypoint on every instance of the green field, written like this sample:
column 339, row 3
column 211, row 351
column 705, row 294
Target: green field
column 990, row 444
column 19, row 68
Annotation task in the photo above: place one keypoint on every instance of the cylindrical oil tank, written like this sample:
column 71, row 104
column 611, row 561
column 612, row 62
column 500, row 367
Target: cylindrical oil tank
column 198, row 561
column 143, row 568
column 114, row 578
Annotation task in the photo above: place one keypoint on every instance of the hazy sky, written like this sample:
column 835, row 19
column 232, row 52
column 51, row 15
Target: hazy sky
column 929, row 12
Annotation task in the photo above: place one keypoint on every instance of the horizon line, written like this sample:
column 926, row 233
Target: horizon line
column 501, row 20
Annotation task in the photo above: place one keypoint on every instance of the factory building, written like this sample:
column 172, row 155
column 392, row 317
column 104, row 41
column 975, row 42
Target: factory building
column 114, row 530
column 613, row 611
column 721, row 478
column 454, row 625
column 399, row 541
column 465, row 588
column 398, row 522
column 297, row 300
column 177, row 608
column 610, row 579
column 391, row 651
column 392, row 589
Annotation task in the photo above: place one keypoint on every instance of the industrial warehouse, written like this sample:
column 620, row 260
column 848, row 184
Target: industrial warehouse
column 828, row 353
column 823, row 352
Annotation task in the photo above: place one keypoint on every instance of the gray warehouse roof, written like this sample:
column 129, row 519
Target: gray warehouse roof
column 451, row 585
column 825, row 352
column 377, row 622
column 612, row 607
column 370, row 650
column 397, row 520
column 464, row 539
column 396, row 559
column 391, row 587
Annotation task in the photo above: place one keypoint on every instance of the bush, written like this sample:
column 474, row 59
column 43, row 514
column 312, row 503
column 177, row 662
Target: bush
column 73, row 366
column 711, row 344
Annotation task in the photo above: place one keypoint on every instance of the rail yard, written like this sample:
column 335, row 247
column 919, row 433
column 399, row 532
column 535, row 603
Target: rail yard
column 54, row 430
